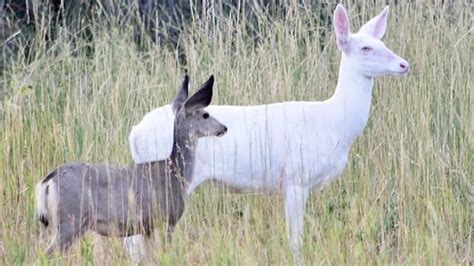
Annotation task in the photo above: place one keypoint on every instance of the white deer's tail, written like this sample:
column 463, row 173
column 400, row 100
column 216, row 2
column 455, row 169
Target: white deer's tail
column 45, row 199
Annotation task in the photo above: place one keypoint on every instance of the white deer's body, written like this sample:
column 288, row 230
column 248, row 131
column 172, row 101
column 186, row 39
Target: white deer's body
column 268, row 146
column 290, row 147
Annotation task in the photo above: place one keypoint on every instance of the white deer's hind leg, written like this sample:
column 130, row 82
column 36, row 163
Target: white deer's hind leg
column 137, row 247
column 295, row 201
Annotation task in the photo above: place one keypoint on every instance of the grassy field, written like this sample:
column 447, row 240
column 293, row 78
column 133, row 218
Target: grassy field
column 406, row 197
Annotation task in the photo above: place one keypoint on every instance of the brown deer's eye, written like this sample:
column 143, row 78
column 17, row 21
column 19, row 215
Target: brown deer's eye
column 205, row 115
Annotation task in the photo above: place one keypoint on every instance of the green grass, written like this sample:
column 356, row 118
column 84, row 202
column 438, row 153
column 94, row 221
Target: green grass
column 407, row 194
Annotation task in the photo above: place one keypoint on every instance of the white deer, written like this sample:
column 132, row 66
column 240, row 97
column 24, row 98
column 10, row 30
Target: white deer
column 290, row 147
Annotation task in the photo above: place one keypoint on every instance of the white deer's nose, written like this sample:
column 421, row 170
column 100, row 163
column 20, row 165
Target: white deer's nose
column 404, row 67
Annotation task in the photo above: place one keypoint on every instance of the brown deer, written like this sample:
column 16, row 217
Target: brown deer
column 125, row 201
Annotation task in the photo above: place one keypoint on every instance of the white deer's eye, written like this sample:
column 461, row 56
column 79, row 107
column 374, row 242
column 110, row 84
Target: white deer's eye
column 366, row 49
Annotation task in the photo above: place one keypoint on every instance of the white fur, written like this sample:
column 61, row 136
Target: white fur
column 145, row 149
column 47, row 205
column 290, row 147
column 41, row 208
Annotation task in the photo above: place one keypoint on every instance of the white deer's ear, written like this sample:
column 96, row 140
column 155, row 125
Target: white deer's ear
column 342, row 27
column 376, row 26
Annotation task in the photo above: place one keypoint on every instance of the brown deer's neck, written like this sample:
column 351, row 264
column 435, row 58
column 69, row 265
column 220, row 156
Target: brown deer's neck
column 182, row 156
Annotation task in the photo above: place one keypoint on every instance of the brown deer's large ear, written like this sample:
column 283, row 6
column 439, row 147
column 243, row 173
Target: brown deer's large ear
column 182, row 95
column 201, row 98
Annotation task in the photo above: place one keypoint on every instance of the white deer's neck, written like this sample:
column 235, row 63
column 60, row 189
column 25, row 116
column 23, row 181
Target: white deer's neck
column 351, row 101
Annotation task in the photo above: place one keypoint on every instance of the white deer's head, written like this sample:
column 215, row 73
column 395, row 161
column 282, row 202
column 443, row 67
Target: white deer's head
column 364, row 50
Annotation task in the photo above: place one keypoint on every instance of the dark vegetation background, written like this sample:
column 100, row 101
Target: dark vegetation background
column 163, row 22
column 31, row 27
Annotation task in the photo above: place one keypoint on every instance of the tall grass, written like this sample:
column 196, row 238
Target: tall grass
column 407, row 194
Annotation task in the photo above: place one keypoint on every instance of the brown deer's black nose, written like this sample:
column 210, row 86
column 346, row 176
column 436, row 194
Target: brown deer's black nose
column 222, row 132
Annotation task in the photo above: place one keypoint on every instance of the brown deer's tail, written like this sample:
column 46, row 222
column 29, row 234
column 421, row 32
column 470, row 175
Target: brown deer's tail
column 43, row 193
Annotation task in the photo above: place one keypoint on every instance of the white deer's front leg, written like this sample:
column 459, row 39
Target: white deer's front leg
column 295, row 201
